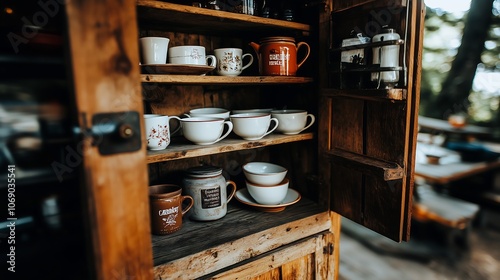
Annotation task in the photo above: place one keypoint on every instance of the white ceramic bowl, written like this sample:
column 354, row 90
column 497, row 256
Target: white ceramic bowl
column 268, row 195
column 209, row 112
column 264, row 173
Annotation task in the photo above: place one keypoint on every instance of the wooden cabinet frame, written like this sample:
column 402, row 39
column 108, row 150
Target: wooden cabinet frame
column 106, row 77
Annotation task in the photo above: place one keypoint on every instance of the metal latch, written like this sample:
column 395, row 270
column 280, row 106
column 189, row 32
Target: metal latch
column 328, row 249
column 114, row 133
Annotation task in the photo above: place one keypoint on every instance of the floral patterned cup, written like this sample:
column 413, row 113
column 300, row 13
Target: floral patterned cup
column 158, row 130
column 230, row 61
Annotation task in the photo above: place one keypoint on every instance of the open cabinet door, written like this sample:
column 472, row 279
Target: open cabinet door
column 104, row 57
column 368, row 131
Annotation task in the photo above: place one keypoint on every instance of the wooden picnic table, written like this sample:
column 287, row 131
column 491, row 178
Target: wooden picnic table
column 438, row 125
column 443, row 174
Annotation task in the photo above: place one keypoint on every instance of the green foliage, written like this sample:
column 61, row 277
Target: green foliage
column 442, row 38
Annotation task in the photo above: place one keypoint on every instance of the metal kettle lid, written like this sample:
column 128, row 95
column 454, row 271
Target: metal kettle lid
column 204, row 171
column 387, row 29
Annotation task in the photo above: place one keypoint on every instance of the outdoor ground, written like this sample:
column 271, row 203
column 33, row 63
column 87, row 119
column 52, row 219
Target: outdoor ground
column 368, row 255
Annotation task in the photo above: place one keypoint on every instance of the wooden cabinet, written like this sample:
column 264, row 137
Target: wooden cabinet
column 356, row 161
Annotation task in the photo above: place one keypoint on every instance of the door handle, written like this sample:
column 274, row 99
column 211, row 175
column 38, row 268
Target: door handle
column 114, row 133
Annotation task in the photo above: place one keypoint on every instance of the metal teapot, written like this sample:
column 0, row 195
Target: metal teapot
column 278, row 55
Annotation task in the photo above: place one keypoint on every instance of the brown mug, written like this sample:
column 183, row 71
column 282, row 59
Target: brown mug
column 165, row 202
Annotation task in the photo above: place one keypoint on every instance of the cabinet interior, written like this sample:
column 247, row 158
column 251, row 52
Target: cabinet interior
column 176, row 95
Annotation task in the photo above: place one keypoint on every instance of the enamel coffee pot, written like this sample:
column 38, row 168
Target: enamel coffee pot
column 278, row 55
column 386, row 56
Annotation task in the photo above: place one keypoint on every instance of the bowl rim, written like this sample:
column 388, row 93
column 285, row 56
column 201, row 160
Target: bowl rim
column 264, row 174
column 285, row 181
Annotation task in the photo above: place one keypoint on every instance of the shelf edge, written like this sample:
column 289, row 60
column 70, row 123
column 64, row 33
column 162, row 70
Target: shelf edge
column 174, row 152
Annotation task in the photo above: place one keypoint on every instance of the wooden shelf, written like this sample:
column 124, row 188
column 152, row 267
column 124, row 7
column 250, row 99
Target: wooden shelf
column 202, row 20
column 370, row 45
column 222, row 80
column 181, row 148
column 387, row 170
column 243, row 233
column 393, row 94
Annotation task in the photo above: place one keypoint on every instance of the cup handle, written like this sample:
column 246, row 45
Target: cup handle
column 178, row 126
column 229, row 129
column 233, row 189
column 213, row 61
column 308, row 51
column 249, row 63
column 312, row 118
column 190, row 204
column 272, row 129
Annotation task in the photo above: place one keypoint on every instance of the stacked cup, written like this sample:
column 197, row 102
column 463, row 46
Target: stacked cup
column 154, row 50
column 266, row 182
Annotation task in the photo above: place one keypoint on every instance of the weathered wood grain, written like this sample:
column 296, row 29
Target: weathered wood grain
column 223, row 80
column 294, row 261
column 105, row 75
column 242, row 234
column 211, row 21
column 379, row 125
column 184, row 149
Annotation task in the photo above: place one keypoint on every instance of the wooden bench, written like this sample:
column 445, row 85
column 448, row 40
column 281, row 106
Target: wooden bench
column 453, row 214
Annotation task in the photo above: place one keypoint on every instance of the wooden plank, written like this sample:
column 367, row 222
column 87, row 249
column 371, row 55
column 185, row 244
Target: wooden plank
column 105, row 75
column 300, row 268
column 211, row 21
column 392, row 95
column 446, row 173
column 443, row 125
column 415, row 46
column 388, row 171
column 343, row 5
column 448, row 211
column 182, row 150
column 293, row 261
column 252, row 233
column 223, row 80
column 334, row 259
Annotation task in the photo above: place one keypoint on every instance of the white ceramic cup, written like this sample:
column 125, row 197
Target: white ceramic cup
column 293, row 121
column 157, row 129
column 205, row 130
column 253, row 126
column 209, row 112
column 154, row 50
column 194, row 55
column 230, row 61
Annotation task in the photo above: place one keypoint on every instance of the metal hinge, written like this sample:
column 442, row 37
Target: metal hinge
column 113, row 133
column 328, row 249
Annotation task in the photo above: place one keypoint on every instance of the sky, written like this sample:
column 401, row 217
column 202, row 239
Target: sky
column 457, row 7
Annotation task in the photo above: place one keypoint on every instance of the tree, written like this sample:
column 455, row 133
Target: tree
column 456, row 88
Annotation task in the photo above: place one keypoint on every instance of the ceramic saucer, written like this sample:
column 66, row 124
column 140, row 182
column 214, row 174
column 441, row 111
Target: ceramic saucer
column 291, row 197
column 178, row 69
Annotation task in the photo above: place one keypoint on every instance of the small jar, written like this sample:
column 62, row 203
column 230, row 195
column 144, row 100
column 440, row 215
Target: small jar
column 208, row 188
